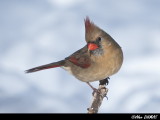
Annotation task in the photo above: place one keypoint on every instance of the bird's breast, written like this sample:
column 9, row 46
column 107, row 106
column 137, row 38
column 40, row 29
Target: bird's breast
column 101, row 67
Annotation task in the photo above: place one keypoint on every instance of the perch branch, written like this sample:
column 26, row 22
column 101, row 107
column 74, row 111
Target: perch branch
column 98, row 98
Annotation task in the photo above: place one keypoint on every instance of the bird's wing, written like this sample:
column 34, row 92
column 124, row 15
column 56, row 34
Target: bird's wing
column 80, row 58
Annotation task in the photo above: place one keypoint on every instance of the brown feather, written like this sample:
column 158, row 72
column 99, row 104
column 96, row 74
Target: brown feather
column 89, row 26
column 47, row 66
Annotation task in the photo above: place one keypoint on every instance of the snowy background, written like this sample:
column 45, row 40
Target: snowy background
column 36, row 32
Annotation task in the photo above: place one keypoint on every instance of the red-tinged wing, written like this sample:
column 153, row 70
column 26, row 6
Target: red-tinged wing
column 81, row 62
column 80, row 58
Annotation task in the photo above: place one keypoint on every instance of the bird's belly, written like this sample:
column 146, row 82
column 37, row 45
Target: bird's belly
column 88, row 74
column 93, row 76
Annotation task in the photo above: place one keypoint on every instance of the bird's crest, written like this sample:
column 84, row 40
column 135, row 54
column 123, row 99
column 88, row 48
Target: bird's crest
column 89, row 25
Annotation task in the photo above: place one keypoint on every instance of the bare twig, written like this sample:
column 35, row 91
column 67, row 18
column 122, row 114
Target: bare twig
column 98, row 98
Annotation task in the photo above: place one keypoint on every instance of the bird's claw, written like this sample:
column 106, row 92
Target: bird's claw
column 95, row 91
column 106, row 97
column 98, row 91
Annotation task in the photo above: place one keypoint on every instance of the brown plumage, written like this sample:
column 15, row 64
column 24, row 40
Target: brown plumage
column 99, row 59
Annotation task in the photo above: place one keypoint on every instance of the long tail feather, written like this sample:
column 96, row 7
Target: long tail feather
column 47, row 66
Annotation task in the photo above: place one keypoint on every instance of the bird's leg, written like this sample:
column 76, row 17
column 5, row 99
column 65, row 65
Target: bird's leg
column 94, row 89
column 101, row 82
column 104, row 81
column 91, row 86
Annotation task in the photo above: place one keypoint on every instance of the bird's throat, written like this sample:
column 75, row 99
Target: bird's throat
column 96, row 52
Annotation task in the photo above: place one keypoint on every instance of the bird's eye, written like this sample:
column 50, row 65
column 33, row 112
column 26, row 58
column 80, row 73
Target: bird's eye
column 99, row 39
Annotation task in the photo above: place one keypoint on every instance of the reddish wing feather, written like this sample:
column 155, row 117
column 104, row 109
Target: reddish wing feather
column 82, row 62
column 80, row 58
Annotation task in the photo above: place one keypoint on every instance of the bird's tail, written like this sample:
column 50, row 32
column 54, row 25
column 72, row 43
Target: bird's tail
column 47, row 66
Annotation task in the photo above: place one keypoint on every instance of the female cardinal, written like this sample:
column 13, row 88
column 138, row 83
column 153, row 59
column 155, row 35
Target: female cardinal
column 96, row 61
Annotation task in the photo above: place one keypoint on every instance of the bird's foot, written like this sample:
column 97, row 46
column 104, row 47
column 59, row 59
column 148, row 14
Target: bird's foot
column 94, row 89
column 103, row 95
column 106, row 97
column 98, row 91
column 104, row 81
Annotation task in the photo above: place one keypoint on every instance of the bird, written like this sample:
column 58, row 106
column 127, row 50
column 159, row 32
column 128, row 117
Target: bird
column 99, row 59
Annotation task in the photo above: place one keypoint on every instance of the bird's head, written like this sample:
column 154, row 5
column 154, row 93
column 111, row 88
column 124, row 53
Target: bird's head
column 95, row 37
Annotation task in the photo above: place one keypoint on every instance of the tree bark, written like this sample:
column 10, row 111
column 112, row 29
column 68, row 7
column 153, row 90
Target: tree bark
column 97, row 99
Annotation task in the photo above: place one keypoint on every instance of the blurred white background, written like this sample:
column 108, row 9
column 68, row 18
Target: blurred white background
column 36, row 32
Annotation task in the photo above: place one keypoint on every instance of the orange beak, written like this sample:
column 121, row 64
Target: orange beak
column 92, row 46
